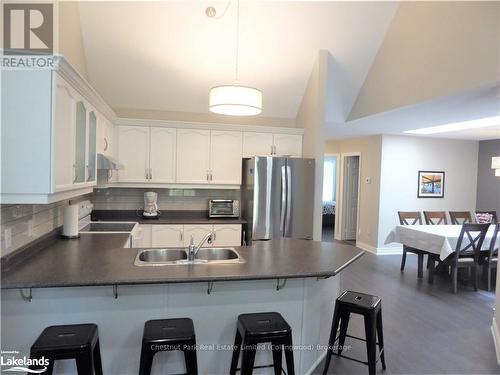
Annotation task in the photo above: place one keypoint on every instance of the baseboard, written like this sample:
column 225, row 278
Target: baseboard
column 496, row 338
column 380, row 250
column 366, row 247
column 389, row 250
column 316, row 363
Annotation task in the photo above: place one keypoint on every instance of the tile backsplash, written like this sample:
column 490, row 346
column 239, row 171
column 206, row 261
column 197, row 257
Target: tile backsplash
column 168, row 199
column 23, row 223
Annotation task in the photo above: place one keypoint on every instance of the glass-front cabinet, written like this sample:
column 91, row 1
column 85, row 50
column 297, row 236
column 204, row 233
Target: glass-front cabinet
column 80, row 142
column 91, row 166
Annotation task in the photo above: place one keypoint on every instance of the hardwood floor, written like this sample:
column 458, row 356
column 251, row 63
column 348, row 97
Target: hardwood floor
column 427, row 329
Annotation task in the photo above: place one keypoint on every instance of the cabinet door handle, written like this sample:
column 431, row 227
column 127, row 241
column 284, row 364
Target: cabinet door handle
column 88, row 173
column 74, row 173
column 181, row 237
column 211, row 176
column 208, row 176
column 150, row 173
column 105, row 144
column 146, row 174
column 272, row 148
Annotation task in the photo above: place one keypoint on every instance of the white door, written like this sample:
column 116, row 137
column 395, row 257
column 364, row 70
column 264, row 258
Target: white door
column 257, row 144
column 350, row 206
column 64, row 128
column 225, row 157
column 288, row 145
column 227, row 235
column 166, row 235
column 198, row 232
column 193, row 156
column 162, row 153
column 133, row 153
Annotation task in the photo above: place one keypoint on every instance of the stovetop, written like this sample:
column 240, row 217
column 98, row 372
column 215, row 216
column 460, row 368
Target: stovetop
column 108, row 227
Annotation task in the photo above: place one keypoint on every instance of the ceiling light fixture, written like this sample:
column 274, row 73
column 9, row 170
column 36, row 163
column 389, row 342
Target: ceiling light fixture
column 235, row 99
column 465, row 125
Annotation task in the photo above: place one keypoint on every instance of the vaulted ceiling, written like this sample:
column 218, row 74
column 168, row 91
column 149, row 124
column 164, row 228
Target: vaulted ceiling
column 167, row 55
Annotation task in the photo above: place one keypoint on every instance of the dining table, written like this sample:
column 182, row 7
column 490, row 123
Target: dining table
column 438, row 240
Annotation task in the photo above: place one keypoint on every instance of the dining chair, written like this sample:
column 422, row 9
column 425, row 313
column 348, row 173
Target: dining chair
column 435, row 217
column 412, row 218
column 460, row 217
column 491, row 259
column 493, row 214
column 467, row 251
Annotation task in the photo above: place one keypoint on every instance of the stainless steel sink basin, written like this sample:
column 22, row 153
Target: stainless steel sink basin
column 178, row 256
column 218, row 254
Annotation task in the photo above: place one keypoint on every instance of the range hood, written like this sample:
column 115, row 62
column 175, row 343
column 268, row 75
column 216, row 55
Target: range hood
column 107, row 163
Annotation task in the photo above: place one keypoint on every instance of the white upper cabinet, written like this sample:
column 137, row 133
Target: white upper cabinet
column 64, row 130
column 287, row 145
column 133, row 153
column 167, row 235
column 162, row 155
column 267, row 144
column 257, row 144
column 227, row 235
column 225, row 157
column 193, row 156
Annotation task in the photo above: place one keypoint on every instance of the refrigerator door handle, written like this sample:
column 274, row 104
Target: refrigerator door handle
column 288, row 199
column 283, row 200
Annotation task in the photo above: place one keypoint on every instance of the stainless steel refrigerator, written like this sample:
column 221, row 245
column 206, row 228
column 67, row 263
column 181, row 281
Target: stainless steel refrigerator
column 277, row 198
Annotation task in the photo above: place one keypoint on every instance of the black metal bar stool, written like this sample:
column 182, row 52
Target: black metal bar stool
column 75, row 341
column 167, row 335
column 259, row 328
column 371, row 308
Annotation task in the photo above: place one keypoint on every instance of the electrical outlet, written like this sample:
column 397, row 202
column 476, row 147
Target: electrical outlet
column 7, row 235
column 368, row 180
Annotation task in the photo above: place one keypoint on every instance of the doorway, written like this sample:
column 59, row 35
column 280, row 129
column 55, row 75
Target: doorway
column 350, row 198
column 329, row 197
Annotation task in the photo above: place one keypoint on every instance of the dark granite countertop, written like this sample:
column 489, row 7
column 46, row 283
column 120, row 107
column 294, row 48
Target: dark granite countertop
column 166, row 217
column 100, row 259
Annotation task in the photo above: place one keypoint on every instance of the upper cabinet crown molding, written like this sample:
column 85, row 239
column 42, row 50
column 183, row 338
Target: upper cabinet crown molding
column 80, row 84
column 209, row 126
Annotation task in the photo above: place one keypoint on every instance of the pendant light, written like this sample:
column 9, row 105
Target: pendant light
column 235, row 99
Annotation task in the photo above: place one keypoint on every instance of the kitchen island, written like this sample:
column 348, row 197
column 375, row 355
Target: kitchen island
column 78, row 281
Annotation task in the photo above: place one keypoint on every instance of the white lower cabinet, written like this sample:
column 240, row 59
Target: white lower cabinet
column 198, row 232
column 166, row 235
column 227, row 235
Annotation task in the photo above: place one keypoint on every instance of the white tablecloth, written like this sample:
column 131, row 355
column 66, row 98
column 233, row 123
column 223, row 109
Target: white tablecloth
column 436, row 239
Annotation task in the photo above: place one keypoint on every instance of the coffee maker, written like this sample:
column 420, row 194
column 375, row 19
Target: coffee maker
column 150, row 210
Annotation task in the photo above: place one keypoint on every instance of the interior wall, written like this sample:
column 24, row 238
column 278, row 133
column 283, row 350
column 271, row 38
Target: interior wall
column 312, row 117
column 488, row 185
column 404, row 156
column 432, row 49
column 70, row 36
column 370, row 149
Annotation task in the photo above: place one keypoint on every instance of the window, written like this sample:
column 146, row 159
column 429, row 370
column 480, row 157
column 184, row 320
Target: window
column 329, row 177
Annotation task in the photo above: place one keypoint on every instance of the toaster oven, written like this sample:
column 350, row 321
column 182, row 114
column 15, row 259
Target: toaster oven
column 224, row 208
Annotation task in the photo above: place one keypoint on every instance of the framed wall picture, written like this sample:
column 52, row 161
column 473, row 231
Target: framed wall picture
column 430, row 184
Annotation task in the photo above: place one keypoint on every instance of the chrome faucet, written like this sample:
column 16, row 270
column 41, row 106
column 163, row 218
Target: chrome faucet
column 192, row 249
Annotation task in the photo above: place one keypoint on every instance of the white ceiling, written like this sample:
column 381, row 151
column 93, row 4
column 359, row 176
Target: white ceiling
column 481, row 103
column 167, row 55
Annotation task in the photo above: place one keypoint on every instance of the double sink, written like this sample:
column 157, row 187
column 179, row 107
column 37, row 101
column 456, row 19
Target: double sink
column 179, row 256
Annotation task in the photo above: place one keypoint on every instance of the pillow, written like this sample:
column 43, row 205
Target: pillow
column 484, row 218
